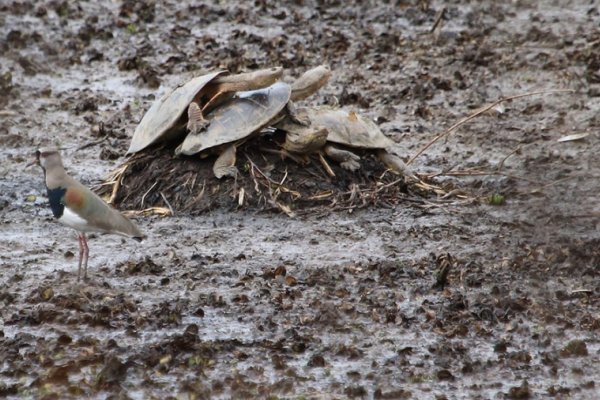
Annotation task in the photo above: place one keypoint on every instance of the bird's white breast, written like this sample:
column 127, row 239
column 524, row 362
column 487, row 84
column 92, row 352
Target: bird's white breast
column 69, row 218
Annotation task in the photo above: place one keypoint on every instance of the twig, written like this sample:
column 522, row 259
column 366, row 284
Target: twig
column 587, row 291
column 442, row 172
column 438, row 18
column 484, row 173
column 284, row 153
column 283, row 207
column 197, row 197
column 478, row 113
column 152, row 210
column 187, row 181
column 284, row 177
column 145, row 194
column 318, row 173
column 168, row 204
column 460, row 193
column 539, row 189
column 430, row 204
column 90, row 144
column 8, row 113
column 321, row 196
column 278, row 184
column 115, row 190
column 241, row 197
column 118, row 179
column 428, row 187
column 354, row 191
column 387, row 185
column 385, row 173
column 501, row 165
column 326, row 165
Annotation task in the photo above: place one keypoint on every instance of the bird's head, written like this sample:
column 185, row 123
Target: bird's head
column 47, row 158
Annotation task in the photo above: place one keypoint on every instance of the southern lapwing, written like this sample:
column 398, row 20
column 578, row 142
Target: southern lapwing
column 78, row 207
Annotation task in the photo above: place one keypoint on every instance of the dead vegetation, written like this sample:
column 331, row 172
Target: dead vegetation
column 267, row 180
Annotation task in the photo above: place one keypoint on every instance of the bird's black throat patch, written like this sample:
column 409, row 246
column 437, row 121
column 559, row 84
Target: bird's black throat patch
column 55, row 196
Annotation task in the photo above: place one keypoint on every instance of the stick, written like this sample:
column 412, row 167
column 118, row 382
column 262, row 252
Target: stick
column 519, row 147
column 326, row 165
column 90, row 144
column 478, row 113
column 118, row 178
column 168, row 204
column 197, row 198
column 278, row 184
column 387, row 185
column 476, row 172
column 145, row 194
column 438, row 18
column 547, row 185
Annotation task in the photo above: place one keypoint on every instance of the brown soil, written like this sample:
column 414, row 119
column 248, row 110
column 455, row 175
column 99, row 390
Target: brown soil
column 413, row 296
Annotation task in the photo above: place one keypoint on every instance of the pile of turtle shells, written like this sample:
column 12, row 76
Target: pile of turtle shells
column 224, row 140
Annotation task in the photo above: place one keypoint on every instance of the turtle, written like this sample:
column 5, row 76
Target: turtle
column 167, row 118
column 346, row 128
column 248, row 113
column 304, row 137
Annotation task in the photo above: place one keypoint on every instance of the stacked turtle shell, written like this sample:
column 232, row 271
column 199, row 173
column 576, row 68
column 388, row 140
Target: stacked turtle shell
column 216, row 112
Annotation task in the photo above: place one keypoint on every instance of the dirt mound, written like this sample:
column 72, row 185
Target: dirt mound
column 268, row 179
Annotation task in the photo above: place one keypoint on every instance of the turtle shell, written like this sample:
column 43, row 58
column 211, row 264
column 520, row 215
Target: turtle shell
column 347, row 128
column 160, row 123
column 246, row 113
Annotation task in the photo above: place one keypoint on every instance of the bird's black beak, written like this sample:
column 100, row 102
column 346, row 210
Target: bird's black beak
column 35, row 161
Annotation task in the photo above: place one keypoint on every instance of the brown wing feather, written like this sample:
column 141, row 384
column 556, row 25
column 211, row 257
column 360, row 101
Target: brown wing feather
column 89, row 206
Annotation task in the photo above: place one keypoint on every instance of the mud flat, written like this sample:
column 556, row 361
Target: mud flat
column 243, row 303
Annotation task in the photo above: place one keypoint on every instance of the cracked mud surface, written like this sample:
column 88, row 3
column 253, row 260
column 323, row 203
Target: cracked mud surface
column 243, row 304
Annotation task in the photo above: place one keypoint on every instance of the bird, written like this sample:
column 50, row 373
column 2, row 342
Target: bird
column 76, row 206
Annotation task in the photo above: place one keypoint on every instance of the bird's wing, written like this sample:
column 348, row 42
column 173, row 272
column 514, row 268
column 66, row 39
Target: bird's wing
column 89, row 206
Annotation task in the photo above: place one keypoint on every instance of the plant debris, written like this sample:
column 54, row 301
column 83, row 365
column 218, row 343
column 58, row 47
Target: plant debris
column 268, row 180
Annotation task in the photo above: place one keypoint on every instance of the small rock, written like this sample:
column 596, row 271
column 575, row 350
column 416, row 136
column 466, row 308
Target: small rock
column 445, row 375
column 355, row 391
column 575, row 348
column 316, row 361
column 520, row 392
column 500, row 347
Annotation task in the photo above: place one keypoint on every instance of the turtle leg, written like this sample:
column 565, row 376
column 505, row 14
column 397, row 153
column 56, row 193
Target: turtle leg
column 347, row 159
column 225, row 163
column 196, row 122
column 395, row 163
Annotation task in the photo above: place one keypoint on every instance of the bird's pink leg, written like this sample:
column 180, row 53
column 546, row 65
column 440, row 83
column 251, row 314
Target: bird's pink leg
column 79, row 237
column 86, row 253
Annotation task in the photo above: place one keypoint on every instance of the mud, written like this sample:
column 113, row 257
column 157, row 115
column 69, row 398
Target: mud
column 448, row 298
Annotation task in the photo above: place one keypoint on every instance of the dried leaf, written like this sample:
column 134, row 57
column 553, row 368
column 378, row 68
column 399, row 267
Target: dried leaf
column 576, row 136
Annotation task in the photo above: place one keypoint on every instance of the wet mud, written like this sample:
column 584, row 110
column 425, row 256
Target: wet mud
column 488, row 289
